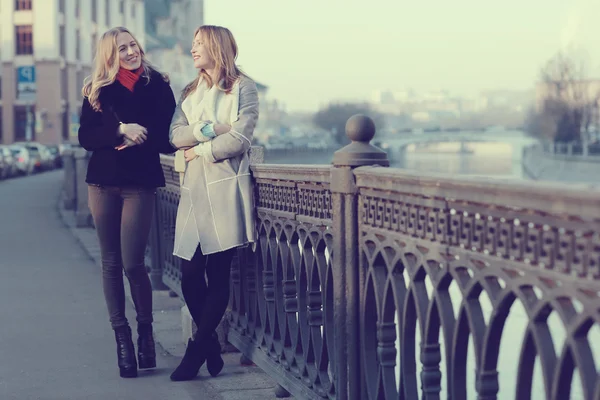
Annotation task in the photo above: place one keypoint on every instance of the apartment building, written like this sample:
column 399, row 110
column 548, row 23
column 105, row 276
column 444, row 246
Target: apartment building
column 46, row 51
column 170, row 27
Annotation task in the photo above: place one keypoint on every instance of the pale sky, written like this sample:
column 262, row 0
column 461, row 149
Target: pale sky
column 311, row 52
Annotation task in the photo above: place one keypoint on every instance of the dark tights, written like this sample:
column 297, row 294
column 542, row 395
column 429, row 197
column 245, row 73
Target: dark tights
column 207, row 301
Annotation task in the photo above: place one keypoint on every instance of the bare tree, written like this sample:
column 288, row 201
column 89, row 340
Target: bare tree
column 333, row 118
column 570, row 103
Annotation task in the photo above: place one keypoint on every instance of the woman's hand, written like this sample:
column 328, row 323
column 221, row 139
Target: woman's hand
column 126, row 143
column 190, row 154
column 134, row 132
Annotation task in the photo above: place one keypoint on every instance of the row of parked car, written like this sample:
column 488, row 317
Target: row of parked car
column 26, row 158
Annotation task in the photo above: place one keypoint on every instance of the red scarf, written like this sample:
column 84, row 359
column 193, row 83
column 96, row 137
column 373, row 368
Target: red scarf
column 129, row 78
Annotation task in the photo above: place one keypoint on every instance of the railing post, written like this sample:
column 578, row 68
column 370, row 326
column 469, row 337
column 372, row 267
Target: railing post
column 360, row 130
column 82, row 215
column 70, row 186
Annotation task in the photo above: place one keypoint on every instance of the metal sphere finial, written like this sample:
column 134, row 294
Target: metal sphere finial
column 360, row 128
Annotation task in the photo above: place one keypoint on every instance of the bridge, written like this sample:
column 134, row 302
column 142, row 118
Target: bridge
column 370, row 282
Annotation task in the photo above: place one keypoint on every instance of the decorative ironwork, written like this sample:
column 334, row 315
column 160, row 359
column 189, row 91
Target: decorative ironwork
column 310, row 199
column 282, row 297
column 282, row 303
column 442, row 266
column 168, row 200
column 454, row 270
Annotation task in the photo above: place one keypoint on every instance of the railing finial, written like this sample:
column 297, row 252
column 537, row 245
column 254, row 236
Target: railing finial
column 360, row 129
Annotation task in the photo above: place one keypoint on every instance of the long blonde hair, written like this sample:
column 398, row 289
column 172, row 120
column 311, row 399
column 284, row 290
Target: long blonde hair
column 223, row 49
column 106, row 66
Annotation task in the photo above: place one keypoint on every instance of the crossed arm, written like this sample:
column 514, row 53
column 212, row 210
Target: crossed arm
column 224, row 141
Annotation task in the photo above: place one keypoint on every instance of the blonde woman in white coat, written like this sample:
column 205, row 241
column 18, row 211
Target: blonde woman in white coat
column 213, row 126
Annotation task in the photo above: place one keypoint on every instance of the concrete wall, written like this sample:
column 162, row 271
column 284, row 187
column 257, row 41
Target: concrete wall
column 540, row 165
column 49, row 99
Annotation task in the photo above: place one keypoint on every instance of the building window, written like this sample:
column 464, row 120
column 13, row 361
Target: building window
column 23, row 5
column 107, row 9
column 1, row 125
column 21, row 123
column 133, row 10
column 77, row 8
column 122, row 7
column 61, row 6
column 65, row 124
column 62, row 41
column 24, row 39
column 94, row 11
column 64, row 84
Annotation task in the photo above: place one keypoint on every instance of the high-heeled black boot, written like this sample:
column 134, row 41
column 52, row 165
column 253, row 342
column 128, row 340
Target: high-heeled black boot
column 146, row 348
column 193, row 359
column 214, row 361
column 125, row 352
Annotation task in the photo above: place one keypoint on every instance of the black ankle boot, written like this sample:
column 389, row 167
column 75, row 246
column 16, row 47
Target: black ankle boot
column 125, row 352
column 190, row 364
column 146, row 348
column 214, row 361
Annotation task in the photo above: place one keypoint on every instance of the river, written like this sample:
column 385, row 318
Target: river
column 499, row 156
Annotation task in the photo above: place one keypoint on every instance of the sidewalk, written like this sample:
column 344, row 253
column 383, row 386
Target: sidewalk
column 55, row 340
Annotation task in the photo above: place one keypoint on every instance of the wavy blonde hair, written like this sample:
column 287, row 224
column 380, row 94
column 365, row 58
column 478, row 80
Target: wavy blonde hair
column 107, row 64
column 223, row 49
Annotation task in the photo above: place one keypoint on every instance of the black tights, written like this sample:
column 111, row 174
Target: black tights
column 207, row 302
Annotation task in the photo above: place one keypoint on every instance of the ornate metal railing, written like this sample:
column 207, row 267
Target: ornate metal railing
column 282, row 314
column 374, row 283
column 167, row 200
column 281, row 306
column 575, row 148
column 496, row 245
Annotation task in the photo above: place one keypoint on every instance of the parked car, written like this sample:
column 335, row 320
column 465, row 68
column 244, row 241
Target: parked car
column 10, row 161
column 56, row 156
column 27, row 160
column 41, row 153
column 3, row 167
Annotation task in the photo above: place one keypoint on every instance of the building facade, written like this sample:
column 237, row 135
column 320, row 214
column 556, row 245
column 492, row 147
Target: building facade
column 173, row 20
column 170, row 25
column 46, row 49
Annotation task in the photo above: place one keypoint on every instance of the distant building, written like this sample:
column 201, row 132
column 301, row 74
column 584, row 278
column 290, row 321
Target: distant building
column 170, row 27
column 169, row 22
column 513, row 100
column 383, row 97
column 47, row 51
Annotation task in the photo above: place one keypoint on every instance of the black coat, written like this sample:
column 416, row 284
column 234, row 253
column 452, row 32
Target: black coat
column 151, row 105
